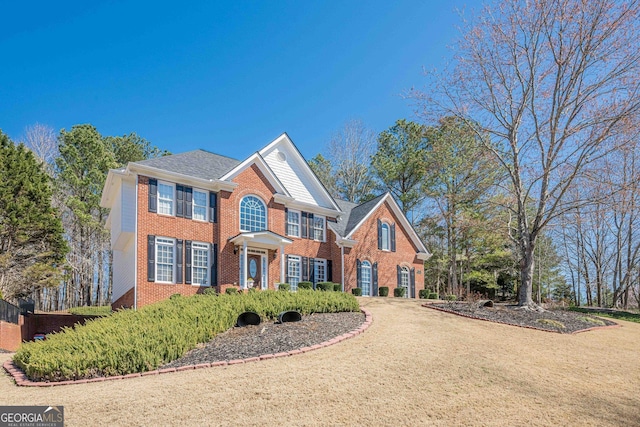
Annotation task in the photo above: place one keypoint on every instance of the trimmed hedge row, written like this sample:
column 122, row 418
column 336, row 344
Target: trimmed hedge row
column 104, row 310
column 137, row 341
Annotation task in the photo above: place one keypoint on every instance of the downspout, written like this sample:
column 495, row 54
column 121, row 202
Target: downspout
column 342, row 264
column 135, row 253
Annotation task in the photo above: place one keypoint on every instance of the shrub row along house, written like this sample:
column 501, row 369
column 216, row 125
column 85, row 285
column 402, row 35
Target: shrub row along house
column 189, row 221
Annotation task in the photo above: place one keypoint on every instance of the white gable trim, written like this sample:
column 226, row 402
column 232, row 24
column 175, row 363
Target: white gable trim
column 257, row 159
column 423, row 253
column 284, row 138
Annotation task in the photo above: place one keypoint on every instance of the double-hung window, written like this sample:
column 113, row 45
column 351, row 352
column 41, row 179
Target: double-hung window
column 384, row 229
column 166, row 196
column 165, row 260
column 199, row 205
column 318, row 228
column 199, row 263
column 293, row 271
column 293, row 223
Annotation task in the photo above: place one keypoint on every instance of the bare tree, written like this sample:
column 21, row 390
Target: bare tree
column 549, row 86
column 350, row 151
column 43, row 141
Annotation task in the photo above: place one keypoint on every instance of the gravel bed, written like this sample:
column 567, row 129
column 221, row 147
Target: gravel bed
column 565, row 322
column 270, row 338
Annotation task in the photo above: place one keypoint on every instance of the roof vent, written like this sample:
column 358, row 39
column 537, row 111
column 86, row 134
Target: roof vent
column 281, row 156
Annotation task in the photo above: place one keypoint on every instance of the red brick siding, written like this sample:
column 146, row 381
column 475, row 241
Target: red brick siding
column 150, row 223
column 367, row 249
column 10, row 335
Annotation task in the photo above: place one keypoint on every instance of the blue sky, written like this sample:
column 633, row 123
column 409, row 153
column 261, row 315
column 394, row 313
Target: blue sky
column 228, row 77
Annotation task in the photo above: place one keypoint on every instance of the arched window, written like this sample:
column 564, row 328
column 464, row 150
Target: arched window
column 404, row 280
column 365, row 272
column 384, row 229
column 253, row 214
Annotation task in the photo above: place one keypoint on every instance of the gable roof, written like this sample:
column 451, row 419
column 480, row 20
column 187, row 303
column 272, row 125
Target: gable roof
column 258, row 160
column 353, row 214
column 356, row 215
column 198, row 163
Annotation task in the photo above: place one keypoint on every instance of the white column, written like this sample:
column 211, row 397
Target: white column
column 283, row 257
column 243, row 285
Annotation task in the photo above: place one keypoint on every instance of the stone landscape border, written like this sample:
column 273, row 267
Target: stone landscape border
column 21, row 378
column 469, row 316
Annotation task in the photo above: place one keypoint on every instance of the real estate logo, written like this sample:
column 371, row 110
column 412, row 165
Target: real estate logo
column 31, row 416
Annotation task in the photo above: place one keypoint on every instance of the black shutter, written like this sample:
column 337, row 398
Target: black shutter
column 312, row 271
column 305, row 269
column 180, row 201
column 329, row 271
column 412, row 283
column 187, row 271
column 213, row 204
column 379, row 234
column 374, row 273
column 151, row 258
column 153, row 195
column 358, row 273
column 213, row 264
column 303, row 224
column 179, row 257
column 188, row 202
column 312, row 232
column 399, row 271
column 393, row 237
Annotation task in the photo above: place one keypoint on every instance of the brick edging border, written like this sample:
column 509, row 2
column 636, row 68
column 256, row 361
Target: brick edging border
column 21, row 378
column 468, row 316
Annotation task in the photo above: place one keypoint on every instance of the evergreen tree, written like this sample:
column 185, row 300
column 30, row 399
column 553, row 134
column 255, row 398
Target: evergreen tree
column 32, row 245
column 399, row 163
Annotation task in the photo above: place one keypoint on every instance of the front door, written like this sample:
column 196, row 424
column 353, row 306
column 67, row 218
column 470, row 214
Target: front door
column 254, row 271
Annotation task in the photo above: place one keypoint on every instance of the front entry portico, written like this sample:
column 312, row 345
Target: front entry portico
column 253, row 251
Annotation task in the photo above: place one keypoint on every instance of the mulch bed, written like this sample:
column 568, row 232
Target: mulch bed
column 564, row 322
column 271, row 338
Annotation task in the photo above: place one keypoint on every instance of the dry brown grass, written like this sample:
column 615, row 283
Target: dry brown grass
column 414, row 366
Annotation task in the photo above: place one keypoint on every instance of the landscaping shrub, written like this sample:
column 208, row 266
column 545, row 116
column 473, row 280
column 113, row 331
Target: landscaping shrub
column 451, row 297
column 337, row 287
column 399, row 292
column 231, row 291
column 175, row 296
column 357, row 292
column 432, row 295
column 423, row 293
column 305, row 285
column 137, row 341
column 383, row 291
column 324, row 286
column 104, row 310
column 210, row 291
column 284, row 287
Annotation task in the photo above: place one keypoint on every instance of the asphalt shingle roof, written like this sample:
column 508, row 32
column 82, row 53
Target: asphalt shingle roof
column 197, row 163
column 353, row 214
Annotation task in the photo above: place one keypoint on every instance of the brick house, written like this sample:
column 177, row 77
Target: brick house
column 189, row 221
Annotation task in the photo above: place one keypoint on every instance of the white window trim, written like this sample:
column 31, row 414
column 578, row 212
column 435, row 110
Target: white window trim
column 388, row 239
column 155, row 261
column 202, row 246
column 324, row 228
column 173, row 198
column 322, row 262
column 405, row 270
column 299, row 222
column 297, row 259
column 266, row 212
column 368, row 266
column 206, row 204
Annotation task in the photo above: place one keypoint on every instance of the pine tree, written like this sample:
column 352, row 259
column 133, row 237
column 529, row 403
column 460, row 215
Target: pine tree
column 32, row 245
